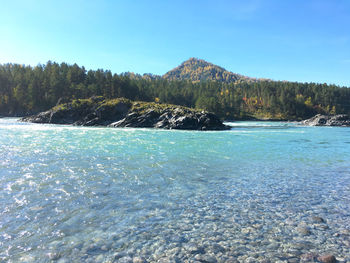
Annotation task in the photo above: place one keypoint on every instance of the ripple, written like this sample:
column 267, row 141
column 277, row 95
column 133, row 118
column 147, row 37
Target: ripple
column 99, row 194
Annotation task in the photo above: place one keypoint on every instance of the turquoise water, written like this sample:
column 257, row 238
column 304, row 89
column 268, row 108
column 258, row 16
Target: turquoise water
column 261, row 191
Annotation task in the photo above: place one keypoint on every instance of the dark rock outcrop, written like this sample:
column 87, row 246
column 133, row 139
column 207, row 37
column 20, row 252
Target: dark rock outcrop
column 121, row 112
column 95, row 111
column 328, row 120
column 170, row 118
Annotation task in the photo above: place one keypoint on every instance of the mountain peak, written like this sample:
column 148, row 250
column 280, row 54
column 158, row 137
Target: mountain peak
column 196, row 60
column 195, row 70
column 200, row 63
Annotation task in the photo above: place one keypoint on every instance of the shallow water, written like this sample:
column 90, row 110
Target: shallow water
column 254, row 193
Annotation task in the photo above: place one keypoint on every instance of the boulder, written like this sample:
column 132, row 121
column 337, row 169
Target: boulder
column 328, row 120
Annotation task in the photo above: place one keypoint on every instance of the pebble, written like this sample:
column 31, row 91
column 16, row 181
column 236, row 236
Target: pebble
column 138, row 260
column 318, row 219
column 243, row 235
column 308, row 257
column 345, row 232
column 206, row 258
column 119, row 255
column 193, row 248
column 126, row 259
column 305, row 231
column 321, row 226
column 166, row 260
column 216, row 248
column 54, row 255
column 327, row 259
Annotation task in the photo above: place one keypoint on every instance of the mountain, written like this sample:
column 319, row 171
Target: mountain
column 198, row 70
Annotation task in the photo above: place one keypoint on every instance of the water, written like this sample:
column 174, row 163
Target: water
column 257, row 192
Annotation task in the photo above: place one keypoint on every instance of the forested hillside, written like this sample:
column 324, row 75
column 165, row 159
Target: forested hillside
column 25, row 90
column 200, row 70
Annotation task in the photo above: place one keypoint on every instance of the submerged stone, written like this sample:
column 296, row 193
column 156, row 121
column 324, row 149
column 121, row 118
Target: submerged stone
column 318, row 219
column 305, row 231
column 327, row 259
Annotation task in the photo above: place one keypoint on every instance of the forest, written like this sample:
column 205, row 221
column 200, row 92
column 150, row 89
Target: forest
column 26, row 90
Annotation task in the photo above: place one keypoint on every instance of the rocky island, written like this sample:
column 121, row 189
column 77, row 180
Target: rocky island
column 328, row 120
column 121, row 112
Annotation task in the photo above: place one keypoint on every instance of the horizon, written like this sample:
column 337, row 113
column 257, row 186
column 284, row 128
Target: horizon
column 290, row 41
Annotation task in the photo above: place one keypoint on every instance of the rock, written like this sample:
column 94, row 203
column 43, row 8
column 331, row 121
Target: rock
column 327, row 259
column 206, row 258
column 345, row 232
column 247, row 230
column 193, row 248
column 305, row 231
column 321, row 226
column 303, row 245
column 216, row 248
column 119, row 255
column 121, row 112
column 166, row 260
column 250, row 260
column 231, row 260
column 318, row 219
column 126, row 259
column 54, row 256
column 308, row 257
column 138, row 260
column 328, row 120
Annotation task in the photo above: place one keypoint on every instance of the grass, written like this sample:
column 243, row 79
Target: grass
column 76, row 103
column 114, row 102
column 140, row 107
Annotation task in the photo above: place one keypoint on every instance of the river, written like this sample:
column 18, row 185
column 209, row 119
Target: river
column 261, row 191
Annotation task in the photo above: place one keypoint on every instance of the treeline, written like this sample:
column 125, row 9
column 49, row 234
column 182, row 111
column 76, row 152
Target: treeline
column 26, row 90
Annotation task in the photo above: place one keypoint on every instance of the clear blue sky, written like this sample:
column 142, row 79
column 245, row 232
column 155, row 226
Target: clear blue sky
column 296, row 40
